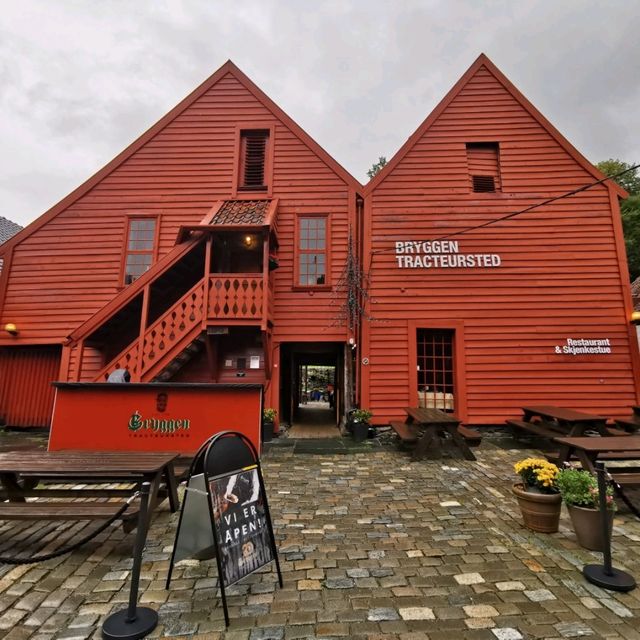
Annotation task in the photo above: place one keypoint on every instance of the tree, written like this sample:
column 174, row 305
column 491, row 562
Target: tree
column 629, row 209
column 375, row 168
column 629, row 181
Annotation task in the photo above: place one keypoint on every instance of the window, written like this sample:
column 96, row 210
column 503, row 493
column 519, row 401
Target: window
column 140, row 248
column 312, row 251
column 484, row 166
column 253, row 154
column 435, row 369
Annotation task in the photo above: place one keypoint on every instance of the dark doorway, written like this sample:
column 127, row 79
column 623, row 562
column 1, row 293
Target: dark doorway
column 312, row 379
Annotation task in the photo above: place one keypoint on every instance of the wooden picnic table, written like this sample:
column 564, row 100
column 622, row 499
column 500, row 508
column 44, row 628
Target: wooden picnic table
column 550, row 422
column 573, row 423
column 588, row 450
column 431, row 422
column 27, row 473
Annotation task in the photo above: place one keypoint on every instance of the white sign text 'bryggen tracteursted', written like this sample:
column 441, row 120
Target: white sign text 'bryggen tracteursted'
column 434, row 254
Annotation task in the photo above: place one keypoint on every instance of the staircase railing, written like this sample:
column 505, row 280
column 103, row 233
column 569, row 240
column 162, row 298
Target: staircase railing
column 236, row 296
column 172, row 327
column 231, row 297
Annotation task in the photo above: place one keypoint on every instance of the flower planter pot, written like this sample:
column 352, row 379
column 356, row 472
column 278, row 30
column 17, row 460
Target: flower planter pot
column 360, row 431
column 588, row 527
column 540, row 511
column 267, row 431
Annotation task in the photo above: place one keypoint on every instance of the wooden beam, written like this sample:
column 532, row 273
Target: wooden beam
column 211, row 344
column 266, row 348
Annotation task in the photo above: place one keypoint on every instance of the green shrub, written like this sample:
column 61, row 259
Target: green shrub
column 269, row 415
column 361, row 415
column 580, row 489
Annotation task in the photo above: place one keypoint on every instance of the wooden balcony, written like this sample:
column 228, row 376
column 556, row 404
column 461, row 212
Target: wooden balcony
column 238, row 298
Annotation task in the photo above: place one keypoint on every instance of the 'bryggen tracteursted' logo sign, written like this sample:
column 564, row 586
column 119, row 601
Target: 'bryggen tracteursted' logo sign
column 159, row 425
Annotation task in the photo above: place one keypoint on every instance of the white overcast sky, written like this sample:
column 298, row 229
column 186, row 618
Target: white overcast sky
column 80, row 80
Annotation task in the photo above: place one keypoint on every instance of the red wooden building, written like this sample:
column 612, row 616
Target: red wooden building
column 482, row 320
column 212, row 249
column 164, row 262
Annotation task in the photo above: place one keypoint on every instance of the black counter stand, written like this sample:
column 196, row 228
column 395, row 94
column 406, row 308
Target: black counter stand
column 134, row 622
column 605, row 575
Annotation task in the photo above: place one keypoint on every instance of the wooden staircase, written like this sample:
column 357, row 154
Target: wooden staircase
column 164, row 328
column 182, row 359
column 173, row 332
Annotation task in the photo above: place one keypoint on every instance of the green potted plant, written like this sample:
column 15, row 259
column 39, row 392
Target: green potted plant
column 579, row 490
column 268, row 422
column 538, row 495
column 360, row 422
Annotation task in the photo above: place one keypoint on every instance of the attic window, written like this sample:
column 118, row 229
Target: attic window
column 483, row 184
column 253, row 154
column 483, row 160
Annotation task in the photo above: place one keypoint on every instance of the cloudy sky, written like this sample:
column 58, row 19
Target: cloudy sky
column 80, row 80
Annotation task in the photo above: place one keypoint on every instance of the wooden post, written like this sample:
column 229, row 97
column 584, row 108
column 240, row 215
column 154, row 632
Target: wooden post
column 137, row 377
column 207, row 273
column 76, row 373
column 265, row 281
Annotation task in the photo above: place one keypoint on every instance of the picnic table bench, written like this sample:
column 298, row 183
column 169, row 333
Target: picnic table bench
column 632, row 423
column 549, row 422
column 422, row 427
column 589, row 450
column 26, row 474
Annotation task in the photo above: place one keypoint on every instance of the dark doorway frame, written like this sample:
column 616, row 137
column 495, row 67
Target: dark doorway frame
column 295, row 354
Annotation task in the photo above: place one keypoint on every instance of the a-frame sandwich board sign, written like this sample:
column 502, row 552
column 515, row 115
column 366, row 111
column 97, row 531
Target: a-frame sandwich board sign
column 225, row 512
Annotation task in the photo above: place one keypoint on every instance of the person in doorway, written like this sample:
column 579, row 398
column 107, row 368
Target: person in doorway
column 330, row 393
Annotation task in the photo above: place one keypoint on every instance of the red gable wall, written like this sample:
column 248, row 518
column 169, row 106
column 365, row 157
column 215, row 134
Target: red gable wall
column 563, row 272
column 69, row 268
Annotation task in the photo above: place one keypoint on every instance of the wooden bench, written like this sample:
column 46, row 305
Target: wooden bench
column 553, row 456
column 60, row 510
column 632, row 423
column 534, row 428
column 626, row 479
column 409, row 434
column 614, row 431
column 473, row 437
column 405, row 432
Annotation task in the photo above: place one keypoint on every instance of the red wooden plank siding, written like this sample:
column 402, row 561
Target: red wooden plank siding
column 26, row 394
column 560, row 275
column 178, row 174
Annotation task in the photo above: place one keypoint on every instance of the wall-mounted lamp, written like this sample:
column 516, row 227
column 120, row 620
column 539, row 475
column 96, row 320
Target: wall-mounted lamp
column 635, row 317
column 248, row 241
column 11, row 328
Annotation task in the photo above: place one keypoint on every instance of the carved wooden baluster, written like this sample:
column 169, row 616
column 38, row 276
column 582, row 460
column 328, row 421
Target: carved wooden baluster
column 217, row 308
column 172, row 325
column 225, row 307
column 253, row 307
column 193, row 301
column 242, row 298
column 163, row 335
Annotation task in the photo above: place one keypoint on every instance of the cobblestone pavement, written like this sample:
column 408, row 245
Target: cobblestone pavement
column 372, row 546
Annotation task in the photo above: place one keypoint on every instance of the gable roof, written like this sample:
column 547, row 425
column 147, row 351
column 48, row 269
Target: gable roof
column 241, row 212
column 8, row 229
column 483, row 61
column 227, row 68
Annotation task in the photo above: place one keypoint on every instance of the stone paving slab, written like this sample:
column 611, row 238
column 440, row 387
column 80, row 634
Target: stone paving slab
column 372, row 546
